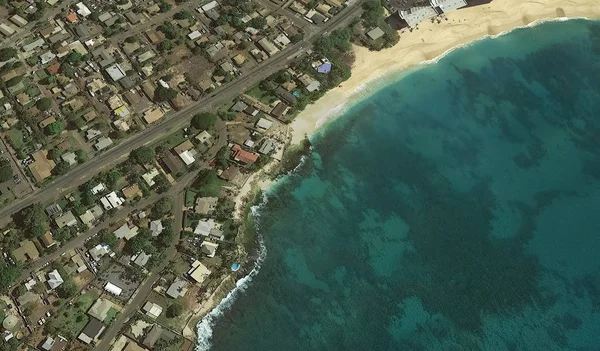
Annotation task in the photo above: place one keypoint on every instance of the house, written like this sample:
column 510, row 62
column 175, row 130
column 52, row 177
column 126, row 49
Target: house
column 286, row 95
column 282, row 41
column 230, row 174
column 209, row 248
column 98, row 188
column 325, row 68
column 47, row 240
column 158, row 333
column 98, row 251
column 69, row 158
column 41, row 167
column 198, row 272
column 375, row 33
column 34, row 45
column 172, row 163
column 54, row 344
column 54, row 211
column 90, row 216
column 267, row 147
column 66, row 220
column 177, row 288
column 132, row 17
column 141, row 259
column 53, row 69
column 26, row 251
column 268, row 47
column 82, row 10
column 156, row 227
column 54, row 279
column 242, row 155
column 132, row 191
column 153, row 115
column 152, row 309
column 6, row 30
column 264, row 124
column 204, row 138
column 445, row 6
column 112, row 289
column 71, row 17
column 149, row 176
column 92, row 134
column 101, row 308
column 416, row 15
column 186, row 152
column 204, row 227
column 18, row 20
column 239, row 106
column 206, row 205
column 78, row 262
column 111, row 200
column 92, row 331
column 124, row 232
column 103, row 143
column 314, row 85
column 115, row 72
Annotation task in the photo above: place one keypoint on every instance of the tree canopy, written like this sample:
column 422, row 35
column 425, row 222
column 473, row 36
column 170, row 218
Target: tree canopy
column 43, row 104
column 143, row 155
column 55, row 128
column 162, row 94
column 31, row 220
column 8, row 275
column 204, row 120
column 6, row 171
column 7, row 53
column 174, row 310
column 162, row 208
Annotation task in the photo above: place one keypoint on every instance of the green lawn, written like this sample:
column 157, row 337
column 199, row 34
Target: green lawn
column 208, row 184
column 190, row 198
column 111, row 316
column 16, row 138
column 2, row 308
column 266, row 97
column 69, row 320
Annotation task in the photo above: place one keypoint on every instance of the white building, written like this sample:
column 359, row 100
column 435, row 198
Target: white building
column 82, row 10
column 115, row 72
column 54, row 279
column 415, row 15
column 98, row 188
column 444, row 6
column 113, row 289
column 111, row 200
column 204, row 227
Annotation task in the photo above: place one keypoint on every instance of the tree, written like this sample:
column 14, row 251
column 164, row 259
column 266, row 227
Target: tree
column 31, row 220
column 81, row 156
column 162, row 208
column 162, row 94
column 14, row 81
column 165, row 45
column 74, row 57
column 112, row 177
column 67, row 289
column 204, row 120
column 61, row 168
column 143, row 155
column 7, row 53
column 174, row 310
column 183, row 14
column 55, row 128
column 161, row 183
column 43, row 104
column 6, row 171
column 222, row 158
column 110, row 239
column 258, row 23
column 8, row 275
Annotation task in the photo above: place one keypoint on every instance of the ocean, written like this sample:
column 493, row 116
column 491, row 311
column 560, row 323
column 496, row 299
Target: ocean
column 455, row 208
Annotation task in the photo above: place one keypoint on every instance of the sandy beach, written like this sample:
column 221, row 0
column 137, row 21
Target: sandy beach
column 432, row 40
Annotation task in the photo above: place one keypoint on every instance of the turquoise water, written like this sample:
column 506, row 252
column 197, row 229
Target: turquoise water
column 456, row 209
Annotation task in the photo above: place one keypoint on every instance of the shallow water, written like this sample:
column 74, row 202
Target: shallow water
column 456, row 209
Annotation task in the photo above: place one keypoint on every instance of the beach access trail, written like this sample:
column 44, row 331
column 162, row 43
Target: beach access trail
column 430, row 41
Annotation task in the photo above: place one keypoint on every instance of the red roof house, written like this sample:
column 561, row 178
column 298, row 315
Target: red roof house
column 242, row 155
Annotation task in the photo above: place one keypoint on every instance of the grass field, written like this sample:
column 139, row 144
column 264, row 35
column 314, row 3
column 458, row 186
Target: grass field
column 190, row 198
column 266, row 97
column 71, row 319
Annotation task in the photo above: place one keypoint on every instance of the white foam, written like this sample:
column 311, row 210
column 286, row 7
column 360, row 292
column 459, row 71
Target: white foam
column 205, row 326
column 488, row 36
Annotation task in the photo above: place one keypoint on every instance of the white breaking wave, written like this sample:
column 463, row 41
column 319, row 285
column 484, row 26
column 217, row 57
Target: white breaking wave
column 205, row 326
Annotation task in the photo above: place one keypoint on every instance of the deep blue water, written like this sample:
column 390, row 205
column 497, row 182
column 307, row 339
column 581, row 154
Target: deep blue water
column 455, row 209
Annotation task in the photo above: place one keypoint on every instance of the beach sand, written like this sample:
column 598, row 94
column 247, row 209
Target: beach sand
column 432, row 40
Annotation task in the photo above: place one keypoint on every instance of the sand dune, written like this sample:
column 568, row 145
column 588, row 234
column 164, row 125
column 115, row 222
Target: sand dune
column 431, row 40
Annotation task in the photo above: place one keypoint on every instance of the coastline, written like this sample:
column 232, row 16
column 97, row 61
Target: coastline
column 371, row 70
column 429, row 43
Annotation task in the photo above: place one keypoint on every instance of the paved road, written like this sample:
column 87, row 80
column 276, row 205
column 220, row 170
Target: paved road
column 178, row 193
column 172, row 122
